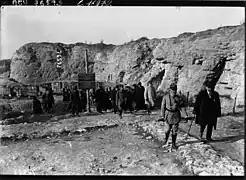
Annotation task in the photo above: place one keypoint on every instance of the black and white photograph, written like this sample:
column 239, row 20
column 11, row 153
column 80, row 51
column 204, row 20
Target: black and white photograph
column 122, row 90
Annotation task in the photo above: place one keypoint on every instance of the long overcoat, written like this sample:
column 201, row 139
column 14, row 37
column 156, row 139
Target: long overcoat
column 207, row 109
column 150, row 95
column 121, row 99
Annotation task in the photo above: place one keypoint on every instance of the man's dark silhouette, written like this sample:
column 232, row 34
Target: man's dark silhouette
column 36, row 106
column 120, row 100
column 207, row 109
column 99, row 99
column 75, row 100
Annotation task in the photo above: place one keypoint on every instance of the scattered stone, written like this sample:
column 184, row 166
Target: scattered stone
column 204, row 173
column 52, row 168
column 149, row 137
column 16, row 157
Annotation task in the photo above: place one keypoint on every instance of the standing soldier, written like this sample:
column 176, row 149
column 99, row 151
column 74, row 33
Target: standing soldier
column 75, row 100
column 171, row 113
column 149, row 96
column 207, row 109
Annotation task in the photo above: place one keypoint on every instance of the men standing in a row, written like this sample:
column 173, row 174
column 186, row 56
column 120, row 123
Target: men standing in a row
column 75, row 101
column 207, row 109
column 150, row 96
column 171, row 113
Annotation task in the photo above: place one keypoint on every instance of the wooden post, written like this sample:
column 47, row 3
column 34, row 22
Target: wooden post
column 87, row 90
column 234, row 105
column 188, row 98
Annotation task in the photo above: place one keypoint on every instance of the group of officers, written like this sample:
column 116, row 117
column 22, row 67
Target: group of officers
column 207, row 107
column 117, row 99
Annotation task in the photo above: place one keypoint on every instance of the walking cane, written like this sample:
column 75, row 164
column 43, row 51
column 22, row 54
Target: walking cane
column 189, row 127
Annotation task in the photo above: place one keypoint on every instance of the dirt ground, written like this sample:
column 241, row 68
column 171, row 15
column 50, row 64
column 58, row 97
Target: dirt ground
column 108, row 145
column 120, row 150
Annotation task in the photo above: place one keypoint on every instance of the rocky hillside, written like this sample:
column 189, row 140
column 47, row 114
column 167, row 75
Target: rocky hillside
column 188, row 59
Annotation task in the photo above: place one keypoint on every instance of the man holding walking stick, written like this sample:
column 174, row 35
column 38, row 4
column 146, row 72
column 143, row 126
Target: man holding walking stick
column 207, row 109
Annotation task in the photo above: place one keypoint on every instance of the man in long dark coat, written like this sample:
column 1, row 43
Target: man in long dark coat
column 48, row 100
column 99, row 99
column 141, row 96
column 66, row 94
column 75, row 101
column 207, row 109
column 36, row 106
column 128, row 93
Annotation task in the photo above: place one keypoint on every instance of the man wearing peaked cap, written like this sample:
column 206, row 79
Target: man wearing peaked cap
column 171, row 113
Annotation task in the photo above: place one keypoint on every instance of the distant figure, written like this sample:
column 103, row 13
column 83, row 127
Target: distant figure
column 113, row 99
column 99, row 99
column 91, row 96
column 66, row 95
column 48, row 100
column 128, row 97
column 120, row 100
column 207, row 109
column 75, row 100
column 150, row 96
column 107, row 101
column 141, row 104
column 83, row 101
column 36, row 106
column 171, row 113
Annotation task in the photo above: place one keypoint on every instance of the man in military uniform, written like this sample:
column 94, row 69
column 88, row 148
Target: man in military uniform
column 171, row 113
column 207, row 109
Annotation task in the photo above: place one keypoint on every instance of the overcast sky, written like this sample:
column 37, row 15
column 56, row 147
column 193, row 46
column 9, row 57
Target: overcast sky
column 115, row 25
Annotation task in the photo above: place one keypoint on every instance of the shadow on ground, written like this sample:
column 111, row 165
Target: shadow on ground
column 236, row 114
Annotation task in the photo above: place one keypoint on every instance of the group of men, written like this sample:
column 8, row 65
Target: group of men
column 47, row 102
column 207, row 109
column 118, row 99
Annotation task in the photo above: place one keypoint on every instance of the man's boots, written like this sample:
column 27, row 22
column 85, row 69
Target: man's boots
column 166, row 139
column 174, row 137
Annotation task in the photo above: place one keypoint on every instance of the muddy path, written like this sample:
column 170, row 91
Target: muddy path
column 118, row 150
